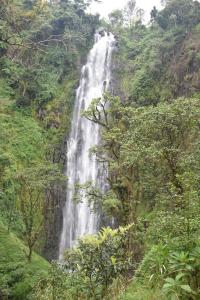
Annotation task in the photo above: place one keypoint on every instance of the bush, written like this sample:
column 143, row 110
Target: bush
column 176, row 272
column 89, row 269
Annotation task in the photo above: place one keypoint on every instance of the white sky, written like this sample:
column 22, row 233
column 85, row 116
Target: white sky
column 109, row 5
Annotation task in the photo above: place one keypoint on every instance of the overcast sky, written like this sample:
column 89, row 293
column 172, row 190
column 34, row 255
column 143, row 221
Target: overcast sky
column 109, row 5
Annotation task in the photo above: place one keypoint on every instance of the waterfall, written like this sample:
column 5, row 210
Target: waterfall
column 79, row 219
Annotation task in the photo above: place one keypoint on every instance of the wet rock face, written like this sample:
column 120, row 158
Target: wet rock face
column 55, row 198
column 101, row 31
column 54, row 202
column 116, row 67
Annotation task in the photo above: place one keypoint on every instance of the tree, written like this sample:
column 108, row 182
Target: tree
column 116, row 18
column 132, row 137
column 89, row 269
column 140, row 15
column 32, row 184
column 177, row 11
column 154, row 13
column 129, row 12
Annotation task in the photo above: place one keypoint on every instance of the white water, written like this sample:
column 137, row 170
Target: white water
column 79, row 219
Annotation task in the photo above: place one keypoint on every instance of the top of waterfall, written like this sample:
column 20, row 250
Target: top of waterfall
column 101, row 32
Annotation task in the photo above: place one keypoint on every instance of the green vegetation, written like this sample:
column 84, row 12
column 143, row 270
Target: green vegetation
column 141, row 292
column 42, row 45
column 17, row 276
column 155, row 64
column 91, row 267
column 154, row 172
column 150, row 142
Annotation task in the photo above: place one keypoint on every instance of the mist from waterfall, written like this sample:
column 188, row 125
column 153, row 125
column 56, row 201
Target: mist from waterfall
column 79, row 218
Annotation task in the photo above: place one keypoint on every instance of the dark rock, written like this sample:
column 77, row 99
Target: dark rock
column 101, row 31
column 53, row 212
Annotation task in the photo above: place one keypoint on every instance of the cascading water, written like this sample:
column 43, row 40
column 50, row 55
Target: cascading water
column 79, row 219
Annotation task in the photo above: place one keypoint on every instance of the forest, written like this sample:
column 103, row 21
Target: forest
column 148, row 243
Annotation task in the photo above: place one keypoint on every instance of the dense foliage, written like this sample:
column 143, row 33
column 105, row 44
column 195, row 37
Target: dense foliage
column 153, row 159
column 150, row 144
column 42, row 45
column 40, row 55
column 90, row 269
column 17, row 278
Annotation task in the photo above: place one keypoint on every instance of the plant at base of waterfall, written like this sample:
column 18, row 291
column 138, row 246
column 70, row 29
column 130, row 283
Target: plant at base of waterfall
column 172, row 268
column 153, row 267
column 90, row 269
column 184, row 269
column 176, row 288
column 97, row 261
column 54, row 286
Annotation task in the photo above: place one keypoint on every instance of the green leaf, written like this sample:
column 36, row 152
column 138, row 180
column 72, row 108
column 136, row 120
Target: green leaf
column 187, row 288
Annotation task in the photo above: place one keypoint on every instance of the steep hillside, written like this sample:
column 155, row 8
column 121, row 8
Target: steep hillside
column 17, row 276
column 42, row 48
column 153, row 64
